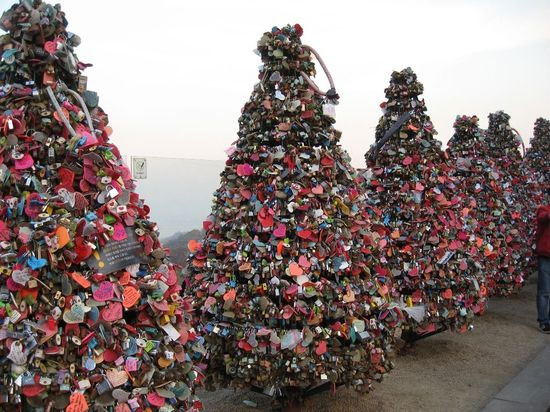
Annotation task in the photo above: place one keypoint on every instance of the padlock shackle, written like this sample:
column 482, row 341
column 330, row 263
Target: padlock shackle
column 325, row 69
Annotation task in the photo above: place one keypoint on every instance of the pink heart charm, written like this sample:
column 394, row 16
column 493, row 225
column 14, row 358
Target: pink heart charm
column 119, row 232
column 317, row 190
column 104, row 292
column 245, row 170
column 280, row 231
column 155, row 399
column 25, row 162
column 304, row 262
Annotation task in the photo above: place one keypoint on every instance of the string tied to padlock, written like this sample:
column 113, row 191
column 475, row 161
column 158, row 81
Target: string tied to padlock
column 330, row 93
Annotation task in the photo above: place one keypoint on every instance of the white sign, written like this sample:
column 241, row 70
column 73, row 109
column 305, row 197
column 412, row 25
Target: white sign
column 139, row 167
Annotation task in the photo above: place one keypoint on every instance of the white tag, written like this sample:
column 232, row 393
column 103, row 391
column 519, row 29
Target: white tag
column 329, row 110
column 15, row 316
column 84, row 384
column 171, row 331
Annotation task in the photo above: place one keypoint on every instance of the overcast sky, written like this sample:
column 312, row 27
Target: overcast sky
column 173, row 75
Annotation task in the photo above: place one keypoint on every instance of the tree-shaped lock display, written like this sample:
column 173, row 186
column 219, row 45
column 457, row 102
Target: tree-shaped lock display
column 537, row 159
column 487, row 200
column 285, row 300
column 502, row 148
column 91, row 310
column 428, row 243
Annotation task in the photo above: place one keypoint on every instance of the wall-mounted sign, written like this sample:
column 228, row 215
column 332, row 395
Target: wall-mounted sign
column 139, row 167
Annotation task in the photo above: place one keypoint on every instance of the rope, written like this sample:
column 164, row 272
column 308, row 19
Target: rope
column 373, row 152
column 520, row 139
column 325, row 69
column 59, row 111
column 62, row 115
column 84, row 107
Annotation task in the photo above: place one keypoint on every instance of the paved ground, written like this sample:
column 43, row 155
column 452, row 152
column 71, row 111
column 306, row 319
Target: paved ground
column 447, row 372
column 528, row 391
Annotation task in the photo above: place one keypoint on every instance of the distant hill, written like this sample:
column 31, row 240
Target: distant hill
column 177, row 243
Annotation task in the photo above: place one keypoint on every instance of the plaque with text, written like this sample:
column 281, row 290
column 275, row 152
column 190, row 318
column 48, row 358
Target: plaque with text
column 116, row 255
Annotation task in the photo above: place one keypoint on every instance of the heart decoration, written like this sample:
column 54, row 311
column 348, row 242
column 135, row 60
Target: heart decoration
column 265, row 216
column 230, row 295
column 304, row 262
column 455, row 244
column 119, row 232
column 80, row 201
column 117, row 377
column 77, row 403
column 210, row 300
column 25, row 162
column 81, row 280
column 35, row 263
column 280, row 231
column 130, row 296
column 295, row 269
column 193, row 246
column 104, row 292
column 17, row 354
column 304, row 234
column 383, row 290
column 76, row 314
column 21, row 276
column 112, row 312
column 121, row 395
column 245, row 169
column 321, row 348
column 155, row 399
column 317, row 190
column 230, row 150
column 24, row 235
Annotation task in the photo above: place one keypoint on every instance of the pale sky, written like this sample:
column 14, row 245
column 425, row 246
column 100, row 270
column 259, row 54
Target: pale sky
column 173, row 75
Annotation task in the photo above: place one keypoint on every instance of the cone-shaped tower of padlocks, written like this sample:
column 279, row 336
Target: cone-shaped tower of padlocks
column 91, row 311
column 283, row 297
column 428, row 244
column 537, row 158
column 492, row 221
column 503, row 149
